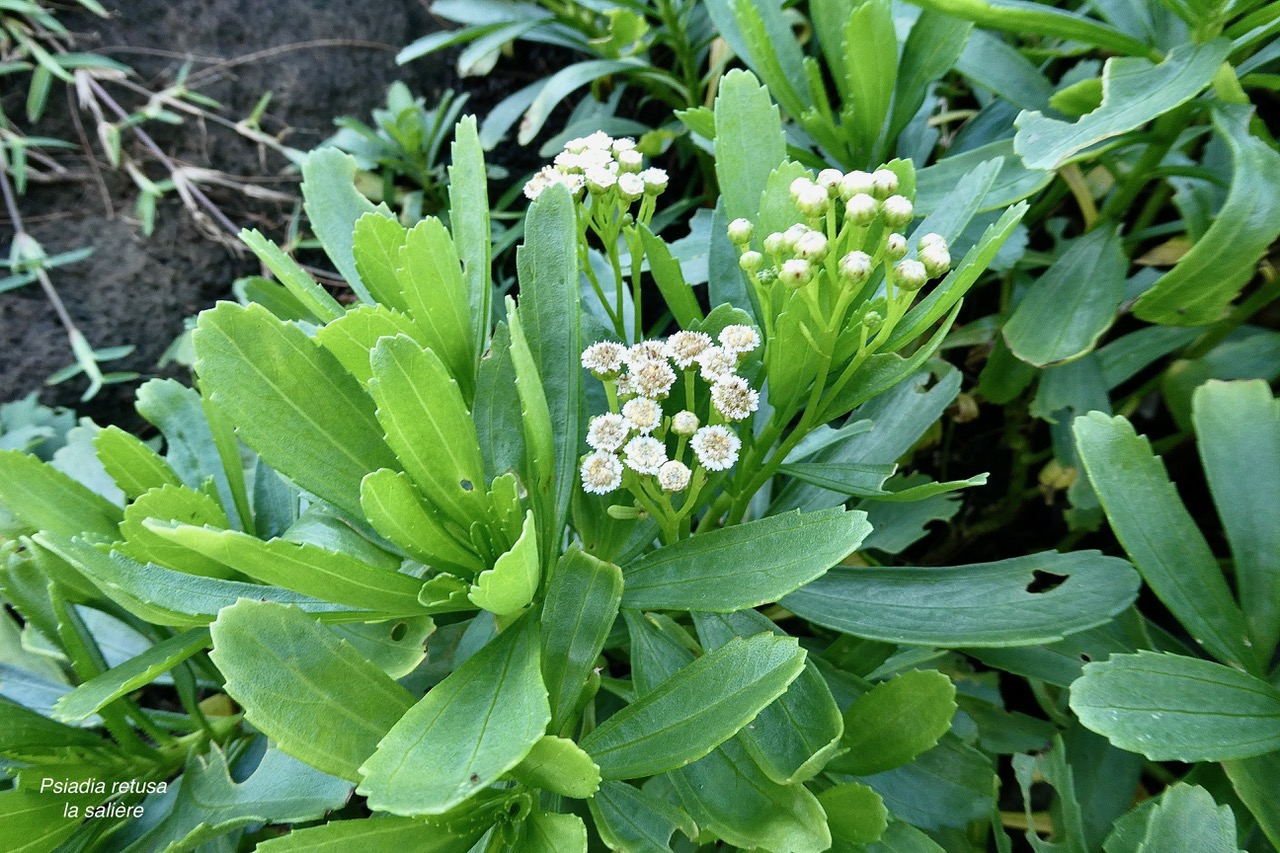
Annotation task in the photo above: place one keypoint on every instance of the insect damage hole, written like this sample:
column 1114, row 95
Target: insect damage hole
column 1042, row 581
column 466, row 485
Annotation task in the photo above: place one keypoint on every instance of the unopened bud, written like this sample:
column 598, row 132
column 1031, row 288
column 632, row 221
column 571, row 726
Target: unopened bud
column 855, row 267
column 776, row 243
column 630, row 186
column 629, row 160
column 897, row 211
column 740, row 231
column 793, row 234
column 855, row 183
column 812, row 201
column 798, row 187
column 895, row 247
column 872, row 320
column 861, row 209
column 750, row 261
column 936, row 260
column 932, row 239
column 910, row 275
column 795, row 273
column 829, row 180
column 811, row 246
column 884, row 183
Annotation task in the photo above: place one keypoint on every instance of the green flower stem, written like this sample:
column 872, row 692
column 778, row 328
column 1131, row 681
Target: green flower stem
column 637, row 260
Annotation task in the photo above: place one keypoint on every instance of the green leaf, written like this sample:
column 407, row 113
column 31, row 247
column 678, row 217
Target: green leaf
column 334, row 205
column 165, row 597
column 670, row 280
column 327, row 575
column 208, row 802
column 393, row 505
column 560, row 766
column 1177, row 708
column 431, row 280
column 471, row 728
column 1012, row 182
column 1134, row 91
column 895, row 721
column 311, row 296
column 628, row 818
column 374, row 835
column 1238, row 433
column 1187, row 820
column 427, row 424
column 794, row 737
column 727, row 794
column 981, row 605
column 745, row 565
column 37, row 823
column 134, row 466
column 564, row 82
column 291, row 401
column 866, row 480
column 950, row 785
column 855, row 813
column 178, row 504
column 539, row 441
column 375, row 250
column 509, row 586
column 695, row 710
column 761, row 34
column 1160, row 536
column 1052, row 768
column 353, row 336
column 497, row 407
column 932, row 48
column 577, row 615
column 1224, row 259
column 550, row 316
column 315, row 696
column 96, row 693
column 1023, row 16
column 1069, row 307
column 552, row 832
column 749, row 142
column 201, row 443
column 868, row 82
column 1254, row 781
column 27, row 734
column 469, row 217
column 44, row 498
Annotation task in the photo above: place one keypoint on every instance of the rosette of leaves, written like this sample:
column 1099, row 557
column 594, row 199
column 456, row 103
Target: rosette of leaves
column 367, row 562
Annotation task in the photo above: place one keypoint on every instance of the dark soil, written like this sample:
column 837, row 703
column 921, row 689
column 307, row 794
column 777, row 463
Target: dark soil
column 318, row 58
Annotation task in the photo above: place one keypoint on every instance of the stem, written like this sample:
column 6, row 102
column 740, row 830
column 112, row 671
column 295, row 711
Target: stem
column 1166, row 131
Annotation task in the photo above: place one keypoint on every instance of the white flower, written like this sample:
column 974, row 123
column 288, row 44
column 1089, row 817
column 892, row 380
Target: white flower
column 626, row 387
column 608, row 431
column 812, row 246
column 936, row 258
column 594, row 158
column 603, row 359
column 861, row 209
column 795, row 273
column 714, row 362
column 740, row 231
column 600, row 180
column 683, row 347
column 734, row 398
column 645, row 455
column 674, row 476
column 630, row 186
column 642, row 414
column 684, row 423
column 601, row 473
column 653, row 377
column 895, row 246
column 644, row 351
column 855, row 267
column 576, row 146
column 629, row 160
column 910, row 275
column 739, row 338
column 626, row 143
column 855, row 183
column 884, row 183
column 716, row 447
column 655, row 180
column 599, row 140
column 897, row 211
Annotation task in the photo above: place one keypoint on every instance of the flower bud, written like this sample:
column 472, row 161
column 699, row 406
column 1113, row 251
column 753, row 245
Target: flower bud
column 932, row 239
column 740, row 231
column 910, row 275
column 655, row 180
column 812, row 201
column 793, row 234
column 795, row 273
column 895, row 247
column 811, row 246
column 798, row 187
column 936, row 259
column 855, row 267
column 829, row 180
column 750, row 261
column 776, row 243
column 629, row 160
column 855, row 183
column 897, row 211
column 872, row 320
column 861, row 209
column 684, row 423
column 630, row 186
column 600, row 181
column 884, row 183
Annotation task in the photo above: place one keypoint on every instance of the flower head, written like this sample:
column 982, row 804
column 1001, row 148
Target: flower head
column 895, row 246
column 601, row 473
column 683, row 347
column 716, row 447
column 655, row 180
column 629, row 160
column 608, row 431
column 795, row 272
column 855, row 267
column 740, row 231
column 714, row 362
column 884, row 183
column 910, row 275
column 603, row 359
column 855, row 182
column 935, row 257
column 897, row 211
column 861, row 209
column 630, row 186
column 734, row 398
column 684, row 423
column 645, row 455
column 739, row 338
column 644, row 351
column 674, row 476
column 653, row 377
column 641, row 414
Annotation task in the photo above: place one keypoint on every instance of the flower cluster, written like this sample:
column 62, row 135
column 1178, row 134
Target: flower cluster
column 602, row 166
column 637, row 434
column 841, row 209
